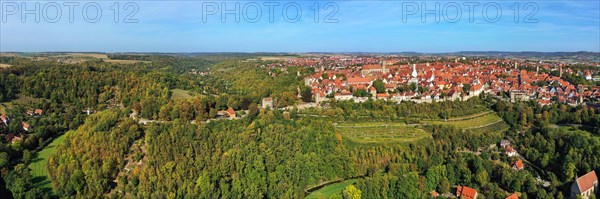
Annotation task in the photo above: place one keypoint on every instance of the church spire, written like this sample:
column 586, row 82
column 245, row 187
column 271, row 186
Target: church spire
column 414, row 72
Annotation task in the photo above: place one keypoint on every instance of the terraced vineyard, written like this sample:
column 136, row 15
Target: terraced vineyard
column 480, row 122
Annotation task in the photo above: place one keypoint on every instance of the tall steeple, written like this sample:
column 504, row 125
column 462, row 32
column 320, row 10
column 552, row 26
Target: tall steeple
column 560, row 73
column 432, row 76
column 414, row 72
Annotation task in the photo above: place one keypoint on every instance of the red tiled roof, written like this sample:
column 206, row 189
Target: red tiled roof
column 466, row 192
column 382, row 95
column 230, row 111
column 371, row 67
column 25, row 125
column 358, row 80
column 513, row 196
column 476, row 87
column 519, row 164
column 509, row 149
column 586, row 181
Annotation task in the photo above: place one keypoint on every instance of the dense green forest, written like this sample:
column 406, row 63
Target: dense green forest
column 188, row 151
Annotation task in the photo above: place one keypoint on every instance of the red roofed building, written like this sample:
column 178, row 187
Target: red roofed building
column 434, row 194
column 476, row 90
column 373, row 90
column 374, row 68
column 39, row 112
column 382, row 96
column 513, row 196
column 25, row 126
column 466, row 192
column 588, row 75
column 518, row 165
column 585, row 186
column 358, row 80
column 231, row 113
column 4, row 118
column 510, row 152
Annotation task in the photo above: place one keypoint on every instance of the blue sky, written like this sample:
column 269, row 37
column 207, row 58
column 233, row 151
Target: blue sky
column 356, row 26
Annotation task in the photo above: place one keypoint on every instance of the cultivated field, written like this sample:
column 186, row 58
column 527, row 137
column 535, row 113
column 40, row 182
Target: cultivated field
column 39, row 173
column 500, row 126
column 85, row 55
column 332, row 189
column 8, row 55
column 118, row 61
column 379, row 132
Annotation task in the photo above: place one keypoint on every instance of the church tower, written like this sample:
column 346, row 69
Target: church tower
column 414, row 75
column 414, row 72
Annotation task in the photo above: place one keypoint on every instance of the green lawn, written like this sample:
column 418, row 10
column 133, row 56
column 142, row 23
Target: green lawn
column 332, row 189
column 38, row 164
column 180, row 94
column 378, row 132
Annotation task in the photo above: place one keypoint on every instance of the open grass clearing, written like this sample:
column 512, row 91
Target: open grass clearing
column 39, row 173
column 379, row 132
column 330, row 190
column 180, row 94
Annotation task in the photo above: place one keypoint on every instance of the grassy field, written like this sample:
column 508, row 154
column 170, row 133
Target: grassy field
column 38, row 164
column 180, row 94
column 469, row 122
column 4, row 65
column 330, row 190
column 379, row 132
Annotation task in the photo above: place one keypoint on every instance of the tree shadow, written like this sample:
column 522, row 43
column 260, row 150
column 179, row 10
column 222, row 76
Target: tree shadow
column 39, row 180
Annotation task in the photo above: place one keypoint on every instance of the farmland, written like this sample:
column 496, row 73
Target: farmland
column 117, row 61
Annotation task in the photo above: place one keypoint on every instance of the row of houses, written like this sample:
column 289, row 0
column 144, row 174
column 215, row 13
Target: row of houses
column 440, row 81
column 16, row 137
